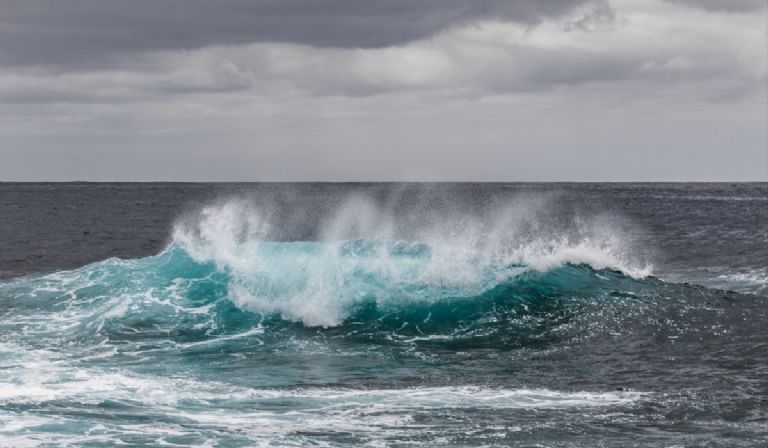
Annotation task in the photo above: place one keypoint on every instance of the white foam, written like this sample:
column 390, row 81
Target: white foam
column 753, row 280
column 217, row 408
column 40, row 375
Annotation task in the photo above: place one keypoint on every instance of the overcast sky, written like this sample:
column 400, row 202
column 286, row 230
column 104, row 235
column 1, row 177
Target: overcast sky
column 346, row 90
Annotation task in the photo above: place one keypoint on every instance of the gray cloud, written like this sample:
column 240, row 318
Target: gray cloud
column 716, row 58
column 724, row 5
column 387, row 90
column 83, row 32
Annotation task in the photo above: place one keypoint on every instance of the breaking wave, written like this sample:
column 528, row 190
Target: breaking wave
column 230, row 280
column 364, row 258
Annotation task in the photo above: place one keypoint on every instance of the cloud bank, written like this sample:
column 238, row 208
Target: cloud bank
column 273, row 90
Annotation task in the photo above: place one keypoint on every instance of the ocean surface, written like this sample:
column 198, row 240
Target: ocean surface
column 523, row 315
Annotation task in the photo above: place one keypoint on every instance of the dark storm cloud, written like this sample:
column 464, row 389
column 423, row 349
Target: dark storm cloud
column 382, row 89
column 85, row 32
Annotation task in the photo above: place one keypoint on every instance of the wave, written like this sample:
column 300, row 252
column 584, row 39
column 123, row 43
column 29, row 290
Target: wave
column 365, row 253
column 226, row 279
column 311, row 283
column 174, row 302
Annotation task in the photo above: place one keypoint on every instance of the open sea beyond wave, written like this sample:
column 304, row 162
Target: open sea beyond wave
column 239, row 315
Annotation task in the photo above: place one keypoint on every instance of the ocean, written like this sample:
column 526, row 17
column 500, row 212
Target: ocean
column 384, row 315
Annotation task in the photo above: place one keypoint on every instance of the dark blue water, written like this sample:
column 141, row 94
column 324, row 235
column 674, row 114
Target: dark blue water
column 556, row 315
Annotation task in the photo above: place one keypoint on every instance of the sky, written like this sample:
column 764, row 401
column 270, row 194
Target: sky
column 387, row 90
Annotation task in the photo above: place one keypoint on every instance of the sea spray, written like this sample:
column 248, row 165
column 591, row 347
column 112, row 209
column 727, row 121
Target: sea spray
column 367, row 252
